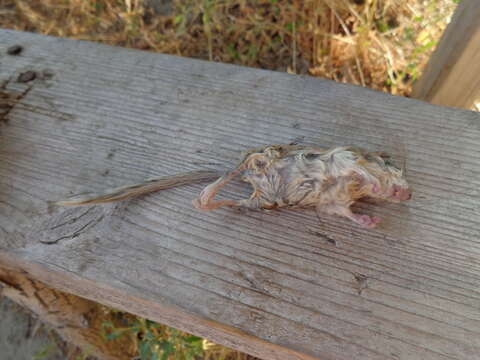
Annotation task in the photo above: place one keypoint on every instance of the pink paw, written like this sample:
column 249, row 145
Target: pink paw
column 366, row 221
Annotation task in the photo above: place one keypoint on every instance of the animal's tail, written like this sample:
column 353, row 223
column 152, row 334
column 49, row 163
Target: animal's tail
column 148, row 186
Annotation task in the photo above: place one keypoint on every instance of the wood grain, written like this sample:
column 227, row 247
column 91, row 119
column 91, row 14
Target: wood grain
column 279, row 285
column 452, row 76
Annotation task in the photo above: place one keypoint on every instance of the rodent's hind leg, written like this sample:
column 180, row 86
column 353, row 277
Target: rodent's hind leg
column 363, row 220
column 206, row 199
column 212, row 205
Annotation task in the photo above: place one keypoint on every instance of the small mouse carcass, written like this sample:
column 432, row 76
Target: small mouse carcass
column 329, row 180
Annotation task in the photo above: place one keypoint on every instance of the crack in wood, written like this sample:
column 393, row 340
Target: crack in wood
column 362, row 282
column 5, row 282
column 9, row 100
column 75, row 234
column 12, row 100
column 71, row 221
column 327, row 238
column 61, row 116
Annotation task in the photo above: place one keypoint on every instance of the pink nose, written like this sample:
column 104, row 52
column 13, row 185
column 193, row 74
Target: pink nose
column 402, row 194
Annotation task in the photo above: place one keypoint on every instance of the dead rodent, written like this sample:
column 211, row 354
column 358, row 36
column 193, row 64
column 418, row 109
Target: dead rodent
column 288, row 176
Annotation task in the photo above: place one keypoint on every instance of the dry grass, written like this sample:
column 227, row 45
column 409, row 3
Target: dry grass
column 149, row 340
column 382, row 44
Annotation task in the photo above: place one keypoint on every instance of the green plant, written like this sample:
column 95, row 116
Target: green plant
column 45, row 352
column 156, row 341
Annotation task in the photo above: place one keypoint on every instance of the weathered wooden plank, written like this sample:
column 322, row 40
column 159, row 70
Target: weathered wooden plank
column 452, row 76
column 278, row 285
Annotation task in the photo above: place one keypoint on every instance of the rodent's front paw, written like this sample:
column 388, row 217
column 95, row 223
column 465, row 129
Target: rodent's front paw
column 366, row 221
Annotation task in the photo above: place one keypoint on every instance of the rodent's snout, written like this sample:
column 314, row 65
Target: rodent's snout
column 401, row 194
column 394, row 193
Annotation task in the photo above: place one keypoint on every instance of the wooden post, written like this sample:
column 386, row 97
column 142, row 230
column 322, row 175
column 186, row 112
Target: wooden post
column 452, row 77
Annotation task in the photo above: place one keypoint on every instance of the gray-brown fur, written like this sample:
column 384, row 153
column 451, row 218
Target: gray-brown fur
column 296, row 176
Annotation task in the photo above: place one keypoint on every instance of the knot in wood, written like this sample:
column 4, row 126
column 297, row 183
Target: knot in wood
column 70, row 224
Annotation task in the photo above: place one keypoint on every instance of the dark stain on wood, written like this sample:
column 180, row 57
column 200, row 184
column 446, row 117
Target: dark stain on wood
column 14, row 50
column 361, row 282
column 327, row 238
column 26, row 76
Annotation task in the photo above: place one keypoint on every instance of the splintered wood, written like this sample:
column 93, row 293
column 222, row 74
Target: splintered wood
column 284, row 285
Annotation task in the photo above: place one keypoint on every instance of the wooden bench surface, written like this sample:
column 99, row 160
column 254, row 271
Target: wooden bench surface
column 280, row 285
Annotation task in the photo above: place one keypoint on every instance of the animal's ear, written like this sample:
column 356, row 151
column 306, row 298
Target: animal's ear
column 382, row 154
column 246, row 153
